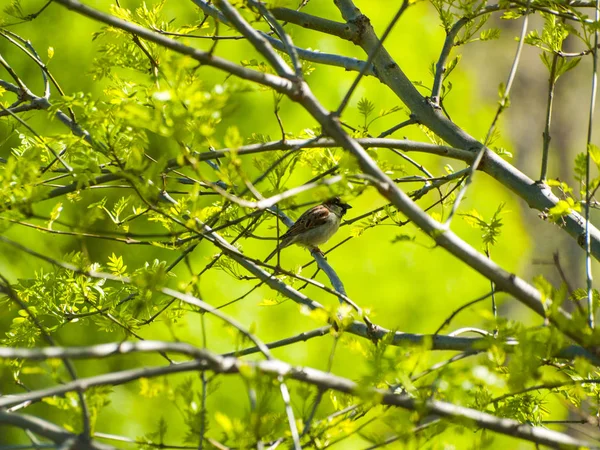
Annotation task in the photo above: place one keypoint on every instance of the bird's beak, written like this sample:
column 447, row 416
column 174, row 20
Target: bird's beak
column 346, row 206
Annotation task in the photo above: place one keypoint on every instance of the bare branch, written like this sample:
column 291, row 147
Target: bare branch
column 50, row 431
column 343, row 30
column 308, row 55
column 256, row 39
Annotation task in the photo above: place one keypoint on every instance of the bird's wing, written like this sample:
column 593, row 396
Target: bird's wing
column 310, row 219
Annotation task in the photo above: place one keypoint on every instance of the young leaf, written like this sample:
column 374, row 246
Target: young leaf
column 365, row 107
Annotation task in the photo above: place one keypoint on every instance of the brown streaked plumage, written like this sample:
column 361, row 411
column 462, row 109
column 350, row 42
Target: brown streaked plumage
column 315, row 226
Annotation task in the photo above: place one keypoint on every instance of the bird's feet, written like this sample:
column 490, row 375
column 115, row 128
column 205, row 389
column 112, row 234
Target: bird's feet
column 317, row 251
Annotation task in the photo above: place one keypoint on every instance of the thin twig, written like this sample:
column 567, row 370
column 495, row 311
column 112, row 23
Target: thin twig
column 546, row 135
column 588, row 243
column 463, row 307
column 502, row 105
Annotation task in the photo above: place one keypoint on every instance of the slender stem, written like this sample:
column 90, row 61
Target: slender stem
column 551, row 84
column 396, row 437
column 503, row 104
column 259, row 41
column 283, row 36
column 320, row 392
column 203, row 417
column 395, row 128
column 463, row 307
column 588, row 243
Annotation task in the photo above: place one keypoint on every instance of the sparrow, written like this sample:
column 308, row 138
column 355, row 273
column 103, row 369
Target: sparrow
column 315, row 226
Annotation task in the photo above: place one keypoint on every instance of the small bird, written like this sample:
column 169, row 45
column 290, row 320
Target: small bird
column 315, row 226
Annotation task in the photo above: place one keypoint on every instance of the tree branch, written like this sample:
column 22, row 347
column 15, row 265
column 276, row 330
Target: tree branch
column 205, row 360
column 50, row 431
column 345, row 31
column 308, row 55
column 299, row 144
column 537, row 195
column 279, row 84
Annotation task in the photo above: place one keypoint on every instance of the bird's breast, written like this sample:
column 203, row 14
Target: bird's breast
column 321, row 234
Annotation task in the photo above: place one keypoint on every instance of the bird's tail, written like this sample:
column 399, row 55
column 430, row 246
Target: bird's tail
column 273, row 253
column 282, row 244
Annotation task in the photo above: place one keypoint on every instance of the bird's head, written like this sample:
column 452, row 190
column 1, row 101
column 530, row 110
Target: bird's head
column 337, row 206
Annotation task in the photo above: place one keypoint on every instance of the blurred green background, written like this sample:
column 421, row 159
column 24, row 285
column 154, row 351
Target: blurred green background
column 407, row 286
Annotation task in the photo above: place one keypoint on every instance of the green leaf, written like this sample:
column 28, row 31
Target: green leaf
column 403, row 238
column 564, row 65
column 513, row 14
column 546, row 58
column 488, row 35
column 491, row 230
column 386, row 112
column 501, row 90
column 564, row 187
column 580, row 166
column 55, row 214
column 533, row 38
column 563, row 208
column 501, row 151
column 224, row 422
column 473, row 218
column 452, row 65
column 271, row 302
column 233, row 138
column 594, row 154
column 365, row 107
column 545, row 287
column 116, row 266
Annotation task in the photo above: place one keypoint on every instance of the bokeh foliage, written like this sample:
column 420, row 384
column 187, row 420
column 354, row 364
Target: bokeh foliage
column 150, row 113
